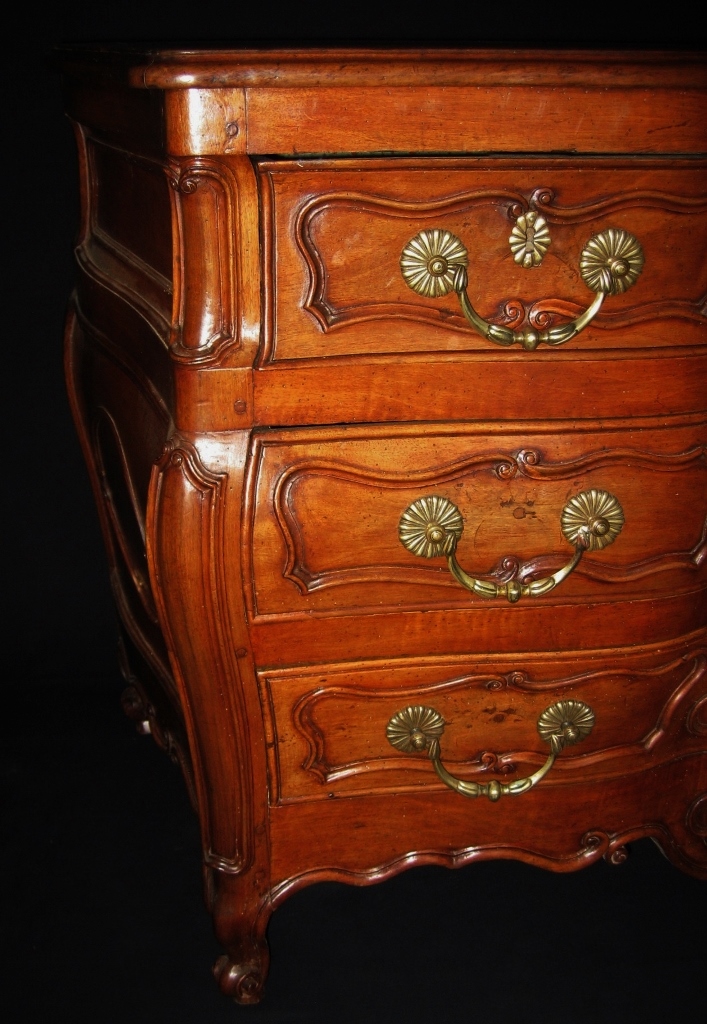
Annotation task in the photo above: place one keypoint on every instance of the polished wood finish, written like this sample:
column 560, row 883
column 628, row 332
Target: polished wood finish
column 259, row 397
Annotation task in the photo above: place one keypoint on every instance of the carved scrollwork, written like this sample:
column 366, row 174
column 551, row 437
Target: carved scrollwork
column 498, row 764
column 515, row 678
column 696, row 818
column 532, row 464
column 617, row 855
column 544, row 200
column 241, row 981
column 614, row 848
column 696, row 721
column 183, row 181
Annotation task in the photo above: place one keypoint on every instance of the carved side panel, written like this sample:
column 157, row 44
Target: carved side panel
column 122, row 248
column 331, row 723
column 216, row 303
column 122, row 421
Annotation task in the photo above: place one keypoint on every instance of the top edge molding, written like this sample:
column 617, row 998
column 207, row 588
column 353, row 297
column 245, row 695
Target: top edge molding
column 377, row 67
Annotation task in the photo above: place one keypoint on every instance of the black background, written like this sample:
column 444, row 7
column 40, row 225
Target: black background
column 103, row 919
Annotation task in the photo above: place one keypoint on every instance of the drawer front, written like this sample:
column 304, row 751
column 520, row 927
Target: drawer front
column 326, row 506
column 335, row 232
column 330, row 723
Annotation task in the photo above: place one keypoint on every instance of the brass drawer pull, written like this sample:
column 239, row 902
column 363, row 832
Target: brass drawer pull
column 417, row 728
column 431, row 527
column 434, row 263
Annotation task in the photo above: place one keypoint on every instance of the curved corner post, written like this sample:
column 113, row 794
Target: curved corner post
column 193, row 534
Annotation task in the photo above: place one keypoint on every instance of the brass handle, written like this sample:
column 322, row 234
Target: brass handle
column 431, row 527
column 417, row 728
column 434, row 263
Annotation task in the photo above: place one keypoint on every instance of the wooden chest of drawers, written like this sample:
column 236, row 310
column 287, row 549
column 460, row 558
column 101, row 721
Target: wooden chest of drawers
column 390, row 369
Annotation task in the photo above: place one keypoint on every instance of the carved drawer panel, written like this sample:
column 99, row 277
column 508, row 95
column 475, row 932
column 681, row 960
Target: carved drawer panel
column 335, row 231
column 330, row 722
column 326, row 505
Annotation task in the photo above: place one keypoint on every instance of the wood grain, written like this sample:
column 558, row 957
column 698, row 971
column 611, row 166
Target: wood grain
column 259, row 396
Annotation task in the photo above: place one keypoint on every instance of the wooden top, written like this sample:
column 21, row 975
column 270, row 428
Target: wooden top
column 298, row 102
column 291, row 68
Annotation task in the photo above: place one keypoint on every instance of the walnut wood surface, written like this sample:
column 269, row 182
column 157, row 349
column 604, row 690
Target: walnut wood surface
column 329, row 298
column 259, row 397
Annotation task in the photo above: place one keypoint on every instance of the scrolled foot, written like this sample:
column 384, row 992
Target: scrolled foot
column 617, row 855
column 242, row 981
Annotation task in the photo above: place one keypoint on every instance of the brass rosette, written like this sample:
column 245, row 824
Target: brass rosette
column 414, row 728
column 566, row 723
column 430, row 261
column 431, row 527
column 592, row 520
column 611, row 261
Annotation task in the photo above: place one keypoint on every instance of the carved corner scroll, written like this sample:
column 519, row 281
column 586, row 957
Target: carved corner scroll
column 526, row 463
column 540, row 315
column 217, row 286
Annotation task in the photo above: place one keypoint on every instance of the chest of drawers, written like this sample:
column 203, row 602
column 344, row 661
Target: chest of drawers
column 390, row 371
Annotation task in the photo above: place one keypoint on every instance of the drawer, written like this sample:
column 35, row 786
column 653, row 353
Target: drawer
column 335, row 231
column 323, row 535
column 331, row 722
